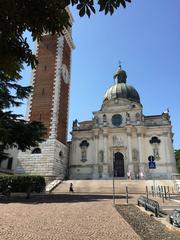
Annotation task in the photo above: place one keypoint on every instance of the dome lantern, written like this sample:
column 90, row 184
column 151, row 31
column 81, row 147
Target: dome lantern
column 120, row 75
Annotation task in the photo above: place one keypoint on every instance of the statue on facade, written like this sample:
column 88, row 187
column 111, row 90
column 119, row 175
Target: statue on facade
column 104, row 118
column 75, row 123
column 165, row 115
column 138, row 116
column 156, row 153
column 96, row 119
column 101, row 156
column 127, row 117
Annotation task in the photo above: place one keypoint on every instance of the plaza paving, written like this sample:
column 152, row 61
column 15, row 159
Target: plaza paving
column 61, row 217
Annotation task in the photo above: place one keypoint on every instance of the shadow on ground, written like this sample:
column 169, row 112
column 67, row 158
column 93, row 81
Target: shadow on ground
column 58, row 198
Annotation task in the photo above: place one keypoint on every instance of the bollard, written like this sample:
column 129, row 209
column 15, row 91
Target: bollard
column 162, row 194
column 159, row 191
column 152, row 191
column 147, row 192
column 165, row 193
column 168, row 193
column 126, row 194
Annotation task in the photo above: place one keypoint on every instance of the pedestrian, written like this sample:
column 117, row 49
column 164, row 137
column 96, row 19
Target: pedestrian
column 141, row 175
column 129, row 175
column 71, row 188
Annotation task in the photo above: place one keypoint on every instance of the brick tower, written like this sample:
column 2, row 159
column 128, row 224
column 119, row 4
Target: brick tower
column 49, row 103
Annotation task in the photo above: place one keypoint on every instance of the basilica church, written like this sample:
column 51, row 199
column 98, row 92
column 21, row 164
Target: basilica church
column 120, row 140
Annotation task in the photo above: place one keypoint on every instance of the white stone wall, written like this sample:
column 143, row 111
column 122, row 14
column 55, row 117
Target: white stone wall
column 47, row 163
column 131, row 139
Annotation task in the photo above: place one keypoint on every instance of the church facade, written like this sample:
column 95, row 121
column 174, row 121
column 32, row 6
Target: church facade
column 120, row 140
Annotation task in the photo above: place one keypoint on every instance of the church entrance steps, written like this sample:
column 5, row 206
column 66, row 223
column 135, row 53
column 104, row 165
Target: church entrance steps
column 177, row 183
column 50, row 186
column 105, row 186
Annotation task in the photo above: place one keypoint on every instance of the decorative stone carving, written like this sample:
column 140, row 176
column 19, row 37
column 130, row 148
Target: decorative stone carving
column 156, row 153
column 96, row 119
column 127, row 117
column 75, row 124
column 165, row 116
column 117, row 141
column 138, row 116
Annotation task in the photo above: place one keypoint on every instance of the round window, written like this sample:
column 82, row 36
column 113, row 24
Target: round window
column 116, row 120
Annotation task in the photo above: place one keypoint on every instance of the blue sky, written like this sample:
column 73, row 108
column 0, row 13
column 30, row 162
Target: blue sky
column 146, row 38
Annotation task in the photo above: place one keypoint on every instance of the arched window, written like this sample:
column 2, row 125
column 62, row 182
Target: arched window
column 61, row 154
column 36, row 151
column 155, row 140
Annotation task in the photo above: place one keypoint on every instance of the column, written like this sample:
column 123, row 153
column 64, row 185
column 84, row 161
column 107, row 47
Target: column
column 95, row 162
column 105, row 164
column 169, row 157
column 165, row 147
column 140, row 149
column 130, row 163
column 105, row 137
column 129, row 147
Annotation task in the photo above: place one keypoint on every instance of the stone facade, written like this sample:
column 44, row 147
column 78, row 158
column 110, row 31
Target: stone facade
column 130, row 144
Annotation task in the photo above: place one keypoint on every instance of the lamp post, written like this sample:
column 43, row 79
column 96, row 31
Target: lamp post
column 113, row 184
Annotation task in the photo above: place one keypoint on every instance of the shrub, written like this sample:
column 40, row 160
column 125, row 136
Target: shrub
column 23, row 183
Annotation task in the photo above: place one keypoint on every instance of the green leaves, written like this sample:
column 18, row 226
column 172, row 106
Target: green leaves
column 85, row 7
column 108, row 6
column 14, row 130
column 21, row 183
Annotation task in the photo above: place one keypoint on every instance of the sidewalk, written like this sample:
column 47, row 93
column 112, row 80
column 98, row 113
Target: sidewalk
column 63, row 217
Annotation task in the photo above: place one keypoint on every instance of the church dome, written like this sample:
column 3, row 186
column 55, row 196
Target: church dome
column 121, row 89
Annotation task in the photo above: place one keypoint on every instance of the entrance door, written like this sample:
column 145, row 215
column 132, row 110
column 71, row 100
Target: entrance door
column 118, row 165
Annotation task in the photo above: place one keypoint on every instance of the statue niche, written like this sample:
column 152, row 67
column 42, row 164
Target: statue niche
column 101, row 156
column 135, row 155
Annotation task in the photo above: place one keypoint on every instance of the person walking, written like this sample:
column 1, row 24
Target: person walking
column 71, row 188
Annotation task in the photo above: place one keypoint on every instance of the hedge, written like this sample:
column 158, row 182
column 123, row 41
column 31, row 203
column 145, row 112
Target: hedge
column 22, row 183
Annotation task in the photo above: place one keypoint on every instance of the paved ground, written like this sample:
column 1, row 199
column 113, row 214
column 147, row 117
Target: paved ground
column 61, row 217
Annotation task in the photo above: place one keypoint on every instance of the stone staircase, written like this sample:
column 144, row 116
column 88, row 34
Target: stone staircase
column 105, row 186
column 177, row 185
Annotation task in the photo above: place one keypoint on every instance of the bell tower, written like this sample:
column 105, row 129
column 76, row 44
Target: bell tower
column 49, row 104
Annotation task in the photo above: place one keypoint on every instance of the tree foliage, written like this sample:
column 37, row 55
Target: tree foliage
column 177, row 156
column 37, row 17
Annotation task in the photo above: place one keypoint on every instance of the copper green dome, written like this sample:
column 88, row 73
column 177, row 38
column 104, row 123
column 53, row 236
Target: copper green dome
column 121, row 89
